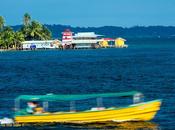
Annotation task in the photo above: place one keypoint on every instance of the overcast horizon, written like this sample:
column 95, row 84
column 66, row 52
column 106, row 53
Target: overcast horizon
column 96, row 13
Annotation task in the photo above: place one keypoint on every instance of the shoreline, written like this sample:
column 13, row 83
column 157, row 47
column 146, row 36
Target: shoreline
column 59, row 49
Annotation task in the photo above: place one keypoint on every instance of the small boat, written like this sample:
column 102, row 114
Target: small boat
column 137, row 111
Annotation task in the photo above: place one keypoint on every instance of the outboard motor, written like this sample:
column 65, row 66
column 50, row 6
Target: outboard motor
column 6, row 121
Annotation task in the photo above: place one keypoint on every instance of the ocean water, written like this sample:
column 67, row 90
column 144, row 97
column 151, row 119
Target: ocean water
column 148, row 65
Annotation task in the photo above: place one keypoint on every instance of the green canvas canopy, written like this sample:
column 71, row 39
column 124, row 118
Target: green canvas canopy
column 53, row 97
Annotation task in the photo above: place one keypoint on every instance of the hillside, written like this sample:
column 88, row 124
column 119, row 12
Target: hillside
column 112, row 31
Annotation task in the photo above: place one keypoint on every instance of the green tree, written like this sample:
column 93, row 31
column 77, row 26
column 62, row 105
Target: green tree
column 2, row 22
column 1, row 41
column 30, row 31
column 26, row 32
column 26, row 19
column 36, row 31
column 39, row 32
column 26, row 28
column 8, row 37
column 46, row 33
column 18, row 39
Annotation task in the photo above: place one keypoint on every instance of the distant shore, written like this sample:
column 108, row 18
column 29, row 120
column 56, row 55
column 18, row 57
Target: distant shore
column 112, row 31
column 10, row 49
column 141, row 41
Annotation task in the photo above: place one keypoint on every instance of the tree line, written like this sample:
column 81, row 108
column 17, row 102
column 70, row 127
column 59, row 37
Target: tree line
column 117, row 31
column 30, row 30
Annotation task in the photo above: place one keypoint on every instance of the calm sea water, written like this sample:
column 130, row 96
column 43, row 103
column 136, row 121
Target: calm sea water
column 147, row 66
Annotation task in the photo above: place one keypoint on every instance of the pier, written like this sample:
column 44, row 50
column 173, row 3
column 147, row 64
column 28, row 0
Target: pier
column 80, row 40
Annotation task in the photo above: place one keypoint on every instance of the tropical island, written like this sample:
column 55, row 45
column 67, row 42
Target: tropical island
column 13, row 37
column 33, row 35
column 30, row 30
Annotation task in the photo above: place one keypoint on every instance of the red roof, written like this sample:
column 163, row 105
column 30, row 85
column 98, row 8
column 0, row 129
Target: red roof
column 108, row 39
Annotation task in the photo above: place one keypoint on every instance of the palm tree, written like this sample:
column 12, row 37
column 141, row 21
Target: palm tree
column 46, row 33
column 19, row 37
column 8, row 37
column 36, row 29
column 26, row 32
column 39, row 32
column 26, row 19
column 1, row 41
column 2, row 21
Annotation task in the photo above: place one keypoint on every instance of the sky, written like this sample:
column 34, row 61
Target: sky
column 91, row 13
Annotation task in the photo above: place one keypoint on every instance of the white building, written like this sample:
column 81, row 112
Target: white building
column 47, row 44
column 85, row 39
column 67, row 37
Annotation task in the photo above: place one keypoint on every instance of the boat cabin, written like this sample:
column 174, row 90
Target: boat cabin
column 72, row 100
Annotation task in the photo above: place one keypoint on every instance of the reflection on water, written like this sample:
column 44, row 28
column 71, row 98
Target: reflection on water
column 147, row 66
column 91, row 126
column 121, row 126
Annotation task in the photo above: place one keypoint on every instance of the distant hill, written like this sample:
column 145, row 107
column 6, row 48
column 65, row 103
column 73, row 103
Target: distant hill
column 114, row 31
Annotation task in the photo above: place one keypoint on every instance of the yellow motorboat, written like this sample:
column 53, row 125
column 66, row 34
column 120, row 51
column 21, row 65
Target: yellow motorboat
column 137, row 111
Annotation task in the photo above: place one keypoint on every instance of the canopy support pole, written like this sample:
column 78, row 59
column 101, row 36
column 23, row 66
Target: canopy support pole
column 45, row 106
column 99, row 102
column 72, row 106
column 17, row 105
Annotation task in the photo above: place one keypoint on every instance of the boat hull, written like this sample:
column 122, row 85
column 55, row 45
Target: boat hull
column 138, row 112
